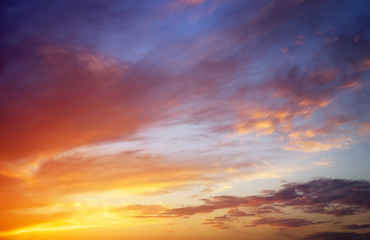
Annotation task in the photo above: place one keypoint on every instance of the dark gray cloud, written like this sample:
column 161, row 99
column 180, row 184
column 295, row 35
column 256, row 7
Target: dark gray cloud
column 356, row 226
column 283, row 222
column 338, row 236
column 337, row 197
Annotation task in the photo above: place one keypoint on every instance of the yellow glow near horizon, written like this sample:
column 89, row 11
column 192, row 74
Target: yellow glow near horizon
column 83, row 215
column 43, row 228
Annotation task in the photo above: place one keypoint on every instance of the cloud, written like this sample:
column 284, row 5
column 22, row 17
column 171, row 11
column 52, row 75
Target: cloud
column 62, row 90
column 321, row 196
column 304, row 92
column 317, row 196
column 76, row 98
column 86, row 73
column 338, row 236
column 284, row 50
column 238, row 213
column 222, row 222
column 325, row 162
column 210, row 205
column 356, row 226
column 178, row 3
column 283, row 222
column 218, row 222
column 300, row 40
column 143, row 174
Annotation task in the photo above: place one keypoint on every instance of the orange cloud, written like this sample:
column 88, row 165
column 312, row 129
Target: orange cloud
column 132, row 172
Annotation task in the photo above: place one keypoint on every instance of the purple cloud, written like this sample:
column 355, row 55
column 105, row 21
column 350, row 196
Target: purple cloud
column 338, row 236
column 284, row 222
column 337, row 197
column 356, row 226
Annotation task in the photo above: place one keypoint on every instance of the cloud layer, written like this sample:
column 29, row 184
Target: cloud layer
column 145, row 104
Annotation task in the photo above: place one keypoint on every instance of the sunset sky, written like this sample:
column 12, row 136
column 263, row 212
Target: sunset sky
column 184, row 119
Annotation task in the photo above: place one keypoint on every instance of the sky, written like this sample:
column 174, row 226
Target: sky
column 184, row 119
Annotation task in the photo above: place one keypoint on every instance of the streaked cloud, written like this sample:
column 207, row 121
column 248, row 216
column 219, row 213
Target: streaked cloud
column 177, row 113
column 283, row 222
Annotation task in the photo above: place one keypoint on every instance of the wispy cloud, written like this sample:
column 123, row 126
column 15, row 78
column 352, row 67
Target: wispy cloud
column 283, row 222
column 268, row 87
